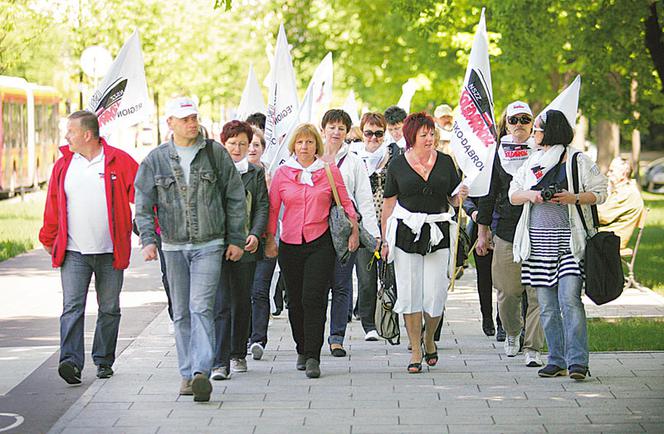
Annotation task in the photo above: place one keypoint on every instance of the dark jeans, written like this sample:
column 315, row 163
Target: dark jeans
column 260, row 300
column 367, row 287
column 75, row 274
column 164, row 278
column 307, row 269
column 342, row 296
column 232, row 311
column 485, row 285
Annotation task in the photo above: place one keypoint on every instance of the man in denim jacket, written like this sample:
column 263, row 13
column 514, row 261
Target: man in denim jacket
column 201, row 210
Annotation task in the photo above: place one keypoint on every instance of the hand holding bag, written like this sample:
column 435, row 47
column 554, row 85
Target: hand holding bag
column 604, row 274
column 340, row 226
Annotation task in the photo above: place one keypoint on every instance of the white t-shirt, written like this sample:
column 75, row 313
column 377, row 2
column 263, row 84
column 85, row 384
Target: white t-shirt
column 88, row 231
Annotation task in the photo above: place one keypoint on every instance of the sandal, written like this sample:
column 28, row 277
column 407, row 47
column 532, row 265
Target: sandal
column 431, row 358
column 414, row 368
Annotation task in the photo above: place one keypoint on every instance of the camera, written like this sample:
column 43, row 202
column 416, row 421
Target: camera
column 548, row 192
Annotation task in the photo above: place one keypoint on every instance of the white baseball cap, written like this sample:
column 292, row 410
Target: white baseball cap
column 443, row 110
column 518, row 107
column 181, row 107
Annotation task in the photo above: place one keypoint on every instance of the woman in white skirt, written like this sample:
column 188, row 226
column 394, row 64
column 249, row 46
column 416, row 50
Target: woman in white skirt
column 416, row 224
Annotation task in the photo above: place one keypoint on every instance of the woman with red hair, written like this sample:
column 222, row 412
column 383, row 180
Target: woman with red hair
column 418, row 227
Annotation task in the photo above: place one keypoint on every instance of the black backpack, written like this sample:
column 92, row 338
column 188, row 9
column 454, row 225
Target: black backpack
column 604, row 274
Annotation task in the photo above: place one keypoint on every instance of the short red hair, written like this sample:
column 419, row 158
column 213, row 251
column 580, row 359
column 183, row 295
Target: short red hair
column 235, row 128
column 413, row 123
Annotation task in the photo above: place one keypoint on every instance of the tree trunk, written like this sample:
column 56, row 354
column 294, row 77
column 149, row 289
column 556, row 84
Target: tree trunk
column 636, row 134
column 608, row 143
column 580, row 134
column 654, row 41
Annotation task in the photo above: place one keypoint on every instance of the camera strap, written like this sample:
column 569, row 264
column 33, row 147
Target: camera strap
column 552, row 175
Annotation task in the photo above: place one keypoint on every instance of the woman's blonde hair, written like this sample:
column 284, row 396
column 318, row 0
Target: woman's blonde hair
column 306, row 130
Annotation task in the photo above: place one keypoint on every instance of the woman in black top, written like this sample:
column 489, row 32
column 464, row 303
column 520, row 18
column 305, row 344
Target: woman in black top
column 416, row 224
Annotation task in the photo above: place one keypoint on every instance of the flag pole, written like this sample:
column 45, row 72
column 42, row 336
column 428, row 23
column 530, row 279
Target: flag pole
column 456, row 244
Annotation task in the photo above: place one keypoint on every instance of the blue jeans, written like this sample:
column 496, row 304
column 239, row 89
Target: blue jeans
column 193, row 276
column 260, row 300
column 566, row 335
column 232, row 312
column 342, row 293
column 76, row 273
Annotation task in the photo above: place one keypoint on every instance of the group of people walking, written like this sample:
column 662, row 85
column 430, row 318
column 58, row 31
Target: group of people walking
column 221, row 223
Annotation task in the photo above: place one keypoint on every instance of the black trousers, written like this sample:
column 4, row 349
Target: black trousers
column 485, row 285
column 308, row 269
column 232, row 311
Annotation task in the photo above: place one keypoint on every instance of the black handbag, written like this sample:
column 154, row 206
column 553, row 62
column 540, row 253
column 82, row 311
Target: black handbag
column 603, row 269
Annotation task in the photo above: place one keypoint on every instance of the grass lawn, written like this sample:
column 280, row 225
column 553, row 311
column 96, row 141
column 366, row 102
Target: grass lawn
column 649, row 266
column 626, row 334
column 20, row 222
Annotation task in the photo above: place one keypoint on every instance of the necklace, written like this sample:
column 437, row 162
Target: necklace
column 422, row 168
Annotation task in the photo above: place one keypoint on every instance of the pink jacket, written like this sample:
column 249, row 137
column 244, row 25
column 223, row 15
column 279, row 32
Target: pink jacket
column 306, row 208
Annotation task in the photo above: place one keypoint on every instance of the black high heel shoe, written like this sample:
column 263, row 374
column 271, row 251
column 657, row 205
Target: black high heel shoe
column 414, row 368
column 430, row 358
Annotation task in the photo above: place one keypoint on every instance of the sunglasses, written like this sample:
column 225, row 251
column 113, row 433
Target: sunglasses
column 369, row 134
column 349, row 141
column 524, row 120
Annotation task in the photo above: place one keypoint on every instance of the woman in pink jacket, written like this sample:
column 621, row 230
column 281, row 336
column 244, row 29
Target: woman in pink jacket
column 306, row 254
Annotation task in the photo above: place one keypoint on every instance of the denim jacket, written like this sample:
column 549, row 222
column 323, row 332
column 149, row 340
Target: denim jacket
column 211, row 207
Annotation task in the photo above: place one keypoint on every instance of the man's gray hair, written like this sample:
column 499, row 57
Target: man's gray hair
column 88, row 120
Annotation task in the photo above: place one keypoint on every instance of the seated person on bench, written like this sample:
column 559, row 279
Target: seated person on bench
column 620, row 213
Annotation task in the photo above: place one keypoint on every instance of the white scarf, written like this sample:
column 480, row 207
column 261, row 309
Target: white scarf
column 242, row 166
column 373, row 159
column 513, row 155
column 305, row 176
column 540, row 162
column 415, row 221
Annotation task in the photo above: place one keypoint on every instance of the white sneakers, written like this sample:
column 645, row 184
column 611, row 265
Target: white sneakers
column 221, row 373
column 371, row 336
column 512, row 345
column 533, row 359
column 256, row 351
column 238, row 365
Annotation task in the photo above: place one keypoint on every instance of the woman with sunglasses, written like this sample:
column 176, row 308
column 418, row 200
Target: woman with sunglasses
column 416, row 223
column 376, row 155
column 550, row 238
column 512, row 152
column 335, row 124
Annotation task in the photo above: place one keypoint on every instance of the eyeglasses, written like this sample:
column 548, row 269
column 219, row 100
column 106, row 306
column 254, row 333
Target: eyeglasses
column 349, row 141
column 369, row 134
column 525, row 120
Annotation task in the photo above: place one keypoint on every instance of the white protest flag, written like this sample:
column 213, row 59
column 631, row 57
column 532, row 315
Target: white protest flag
column 319, row 92
column 407, row 91
column 474, row 134
column 567, row 102
column 282, row 105
column 252, row 98
column 350, row 107
column 121, row 99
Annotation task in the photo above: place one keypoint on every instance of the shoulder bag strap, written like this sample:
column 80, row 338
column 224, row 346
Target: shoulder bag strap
column 575, row 183
column 333, row 185
column 210, row 154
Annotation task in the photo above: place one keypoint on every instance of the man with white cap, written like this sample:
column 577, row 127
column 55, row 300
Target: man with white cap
column 199, row 200
column 444, row 118
column 513, row 150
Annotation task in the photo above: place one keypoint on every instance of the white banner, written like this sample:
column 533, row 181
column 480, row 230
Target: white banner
column 567, row 102
column 407, row 91
column 319, row 93
column 121, row 100
column 474, row 134
column 252, row 98
column 282, row 105
column 350, row 107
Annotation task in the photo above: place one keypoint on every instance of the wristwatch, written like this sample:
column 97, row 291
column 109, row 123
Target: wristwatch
column 577, row 195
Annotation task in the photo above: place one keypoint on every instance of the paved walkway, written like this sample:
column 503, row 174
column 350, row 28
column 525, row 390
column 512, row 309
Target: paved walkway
column 474, row 388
